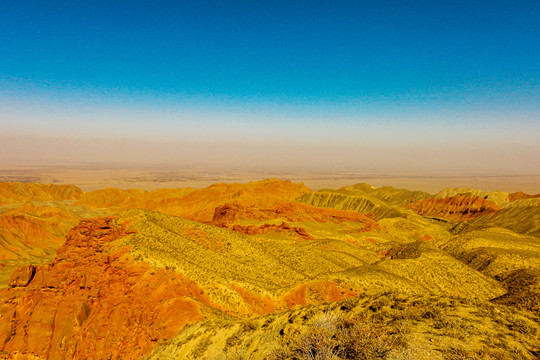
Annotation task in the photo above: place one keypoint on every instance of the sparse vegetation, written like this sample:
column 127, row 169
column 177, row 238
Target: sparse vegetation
column 385, row 326
column 330, row 336
column 384, row 284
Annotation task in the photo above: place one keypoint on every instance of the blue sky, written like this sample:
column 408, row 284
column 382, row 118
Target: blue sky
column 312, row 73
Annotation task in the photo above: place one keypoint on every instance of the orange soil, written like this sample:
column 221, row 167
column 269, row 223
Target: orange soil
column 318, row 292
column 521, row 195
column 229, row 213
column 459, row 208
column 92, row 304
column 33, row 230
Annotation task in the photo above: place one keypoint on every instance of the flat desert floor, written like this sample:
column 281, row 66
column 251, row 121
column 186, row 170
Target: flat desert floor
column 90, row 178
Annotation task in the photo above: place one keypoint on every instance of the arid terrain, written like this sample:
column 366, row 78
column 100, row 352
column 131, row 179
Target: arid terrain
column 94, row 177
column 269, row 180
column 313, row 268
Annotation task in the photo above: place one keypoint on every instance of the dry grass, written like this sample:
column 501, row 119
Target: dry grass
column 386, row 326
column 331, row 336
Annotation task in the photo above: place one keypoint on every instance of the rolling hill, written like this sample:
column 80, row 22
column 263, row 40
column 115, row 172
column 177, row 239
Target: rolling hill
column 262, row 270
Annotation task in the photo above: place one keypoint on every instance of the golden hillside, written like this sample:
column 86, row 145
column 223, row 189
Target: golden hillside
column 21, row 192
column 253, row 270
column 195, row 204
column 384, row 326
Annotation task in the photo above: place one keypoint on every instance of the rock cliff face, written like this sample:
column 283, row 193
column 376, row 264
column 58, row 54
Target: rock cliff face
column 95, row 301
column 90, row 303
column 457, row 208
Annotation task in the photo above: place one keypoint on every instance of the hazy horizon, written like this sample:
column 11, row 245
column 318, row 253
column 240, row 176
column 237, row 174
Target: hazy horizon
column 433, row 89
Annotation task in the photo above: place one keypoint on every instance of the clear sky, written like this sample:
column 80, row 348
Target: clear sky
column 433, row 86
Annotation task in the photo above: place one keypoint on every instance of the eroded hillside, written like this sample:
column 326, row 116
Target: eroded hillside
column 259, row 263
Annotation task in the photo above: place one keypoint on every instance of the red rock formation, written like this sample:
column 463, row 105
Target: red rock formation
column 96, row 302
column 227, row 214
column 267, row 228
column 288, row 211
column 91, row 303
column 521, row 195
column 22, row 275
column 33, row 231
column 304, row 294
column 458, row 208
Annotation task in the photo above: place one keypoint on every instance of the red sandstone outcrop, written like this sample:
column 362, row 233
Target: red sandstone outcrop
column 95, row 304
column 229, row 213
column 304, row 294
column 521, row 195
column 267, row 228
column 22, row 275
column 458, row 208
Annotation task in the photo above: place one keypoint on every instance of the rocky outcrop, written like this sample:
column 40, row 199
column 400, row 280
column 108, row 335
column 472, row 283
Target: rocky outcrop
column 521, row 195
column 22, row 276
column 499, row 198
column 457, row 208
column 268, row 228
column 230, row 213
column 94, row 303
column 227, row 214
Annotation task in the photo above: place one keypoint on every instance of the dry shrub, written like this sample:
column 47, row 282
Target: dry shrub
column 279, row 352
column 238, row 354
column 317, row 344
column 202, row 346
column 330, row 336
column 453, row 324
column 328, row 320
column 463, row 354
column 249, row 324
column 363, row 339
